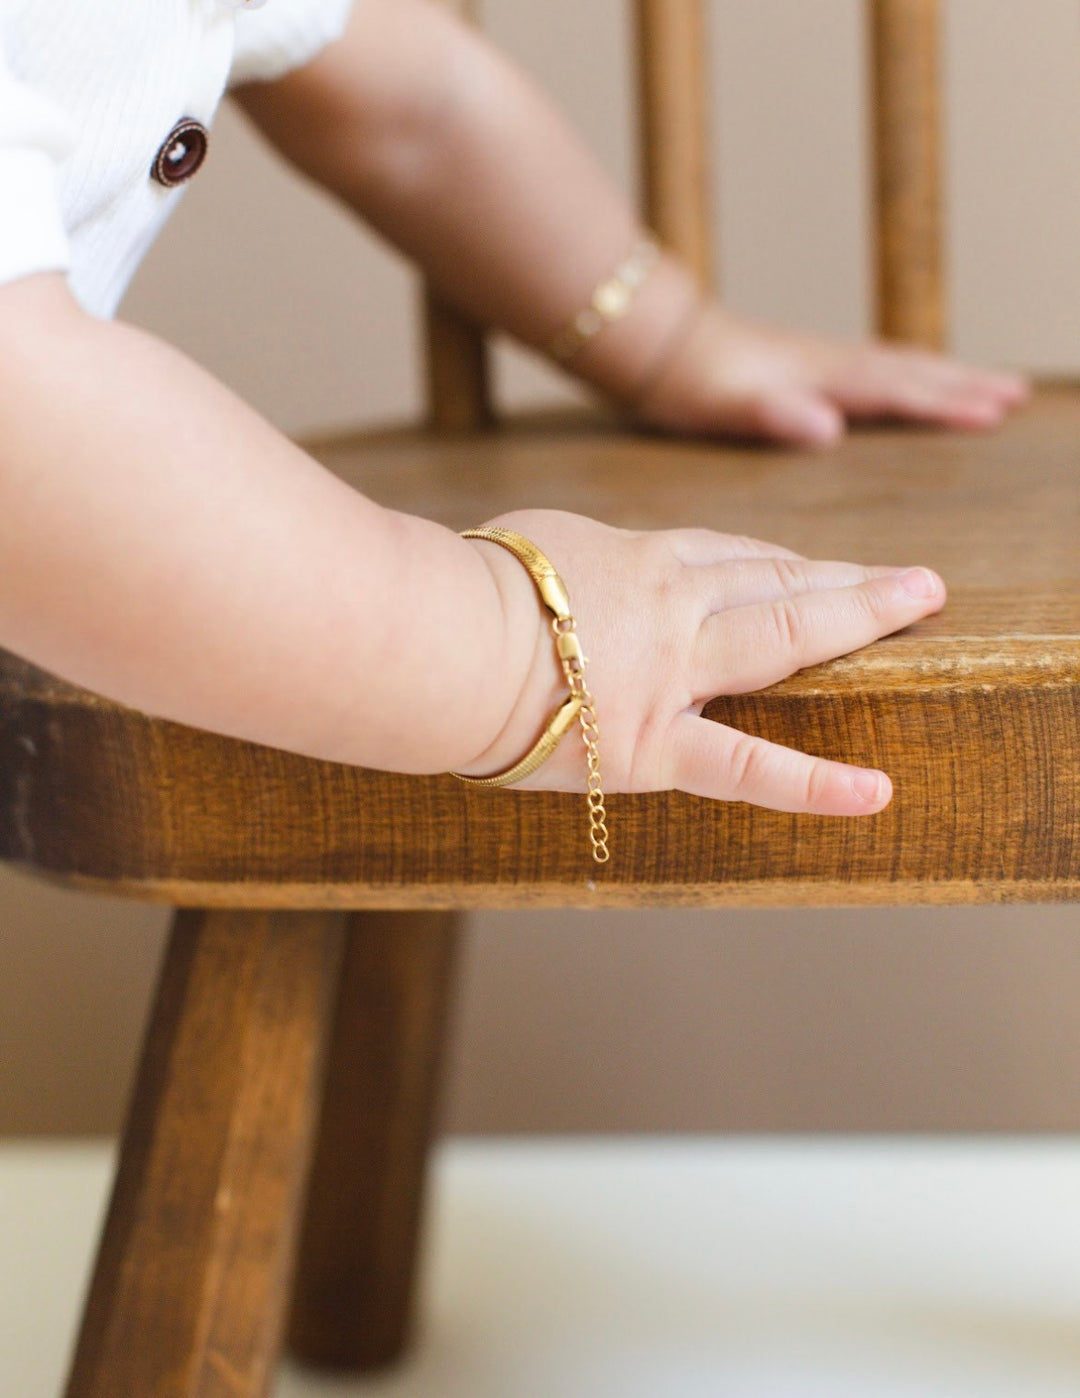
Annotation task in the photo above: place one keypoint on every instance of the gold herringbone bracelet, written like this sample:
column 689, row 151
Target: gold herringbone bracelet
column 579, row 703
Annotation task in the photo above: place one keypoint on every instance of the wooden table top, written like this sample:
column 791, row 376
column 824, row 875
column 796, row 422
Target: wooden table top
column 975, row 713
column 990, row 511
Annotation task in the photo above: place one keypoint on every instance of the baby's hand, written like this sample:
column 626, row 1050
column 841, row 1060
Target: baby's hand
column 733, row 377
column 669, row 620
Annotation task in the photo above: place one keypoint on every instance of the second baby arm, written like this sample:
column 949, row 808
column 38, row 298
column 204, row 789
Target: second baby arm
column 453, row 152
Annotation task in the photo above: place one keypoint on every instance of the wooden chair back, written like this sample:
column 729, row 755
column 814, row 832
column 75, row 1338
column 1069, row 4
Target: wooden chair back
column 673, row 109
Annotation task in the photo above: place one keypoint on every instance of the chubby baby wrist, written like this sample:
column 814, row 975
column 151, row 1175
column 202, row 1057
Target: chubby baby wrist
column 630, row 351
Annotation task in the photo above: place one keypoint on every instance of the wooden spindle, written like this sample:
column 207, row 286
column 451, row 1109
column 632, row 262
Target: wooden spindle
column 673, row 114
column 907, row 170
column 456, row 352
column 458, row 369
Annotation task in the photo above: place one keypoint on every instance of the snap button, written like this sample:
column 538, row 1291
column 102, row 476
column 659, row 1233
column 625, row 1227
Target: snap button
column 182, row 152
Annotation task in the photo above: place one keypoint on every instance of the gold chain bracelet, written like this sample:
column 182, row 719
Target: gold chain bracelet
column 609, row 302
column 579, row 703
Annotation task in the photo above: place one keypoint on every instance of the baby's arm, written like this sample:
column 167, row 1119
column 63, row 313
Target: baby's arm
column 454, row 154
column 163, row 545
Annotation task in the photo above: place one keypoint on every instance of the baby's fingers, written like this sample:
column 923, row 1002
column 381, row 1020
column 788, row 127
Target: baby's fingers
column 709, row 759
column 753, row 647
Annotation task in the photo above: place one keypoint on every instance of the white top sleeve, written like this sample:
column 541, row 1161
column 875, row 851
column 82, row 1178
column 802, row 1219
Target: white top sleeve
column 35, row 139
column 284, row 34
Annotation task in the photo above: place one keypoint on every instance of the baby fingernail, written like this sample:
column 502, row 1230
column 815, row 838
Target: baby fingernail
column 920, row 582
column 867, row 786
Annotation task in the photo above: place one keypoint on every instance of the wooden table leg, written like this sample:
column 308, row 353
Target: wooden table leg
column 191, row 1285
column 353, row 1303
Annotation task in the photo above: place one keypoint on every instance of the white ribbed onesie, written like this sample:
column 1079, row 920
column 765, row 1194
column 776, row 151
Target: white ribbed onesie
column 89, row 90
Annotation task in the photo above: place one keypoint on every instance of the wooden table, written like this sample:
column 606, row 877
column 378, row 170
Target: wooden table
column 975, row 713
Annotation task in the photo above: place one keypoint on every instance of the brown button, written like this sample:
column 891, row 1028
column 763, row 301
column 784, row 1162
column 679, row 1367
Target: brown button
column 182, row 152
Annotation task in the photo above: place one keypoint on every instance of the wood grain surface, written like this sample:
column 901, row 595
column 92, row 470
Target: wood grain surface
column 673, row 128
column 907, row 179
column 975, row 713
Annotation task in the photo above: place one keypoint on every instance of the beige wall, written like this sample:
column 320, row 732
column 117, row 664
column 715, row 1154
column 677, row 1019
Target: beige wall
column 961, row 1019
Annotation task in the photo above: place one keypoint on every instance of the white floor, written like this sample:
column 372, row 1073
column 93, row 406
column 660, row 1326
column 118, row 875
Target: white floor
column 745, row 1267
